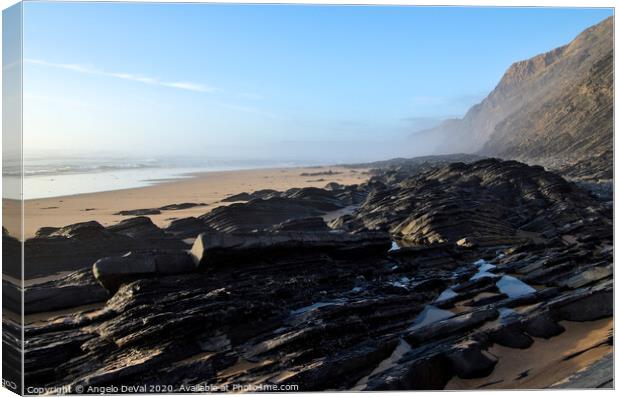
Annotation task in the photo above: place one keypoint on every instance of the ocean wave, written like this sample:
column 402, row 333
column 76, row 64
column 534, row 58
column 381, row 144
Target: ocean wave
column 64, row 169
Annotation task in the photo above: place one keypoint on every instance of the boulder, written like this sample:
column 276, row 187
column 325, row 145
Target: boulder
column 138, row 227
column 510, row 335
column 542, row 326
column 214, row 248
column 427, row 373
column 470, row 361
column 112, row 272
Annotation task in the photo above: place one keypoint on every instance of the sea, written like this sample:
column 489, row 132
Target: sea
column 52, row 177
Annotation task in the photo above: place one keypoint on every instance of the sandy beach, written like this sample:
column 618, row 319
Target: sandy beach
column 547, row 361
column 208, row 188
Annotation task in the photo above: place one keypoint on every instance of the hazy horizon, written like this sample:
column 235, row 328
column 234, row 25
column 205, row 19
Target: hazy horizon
column 313, row 84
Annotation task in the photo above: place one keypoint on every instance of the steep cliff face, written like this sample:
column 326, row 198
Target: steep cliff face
column 547, row 80
column 571, row 132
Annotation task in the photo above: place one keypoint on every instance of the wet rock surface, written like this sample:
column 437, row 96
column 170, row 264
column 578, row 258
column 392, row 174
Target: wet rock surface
column 278, row 299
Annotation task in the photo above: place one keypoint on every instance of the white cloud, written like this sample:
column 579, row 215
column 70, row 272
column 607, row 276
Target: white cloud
column 181, row 85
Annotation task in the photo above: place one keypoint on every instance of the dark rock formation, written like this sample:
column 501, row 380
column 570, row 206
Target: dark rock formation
column 181, row 206
column 257, row 214
column 315, row 224
column 259, row 194
column 187, row 227
column 267, row 209
column 294, row 303
column 46, row 231
column 542, row 326
column 157, row 211
column 139, row 212
column 212, row 249
column 11, row 255
column 488, row 202
column 238, row 197
column 78, row 288
column 140, row 227
column 469, row 360
column 112, row 272
column 78, row 246
column 320, row 173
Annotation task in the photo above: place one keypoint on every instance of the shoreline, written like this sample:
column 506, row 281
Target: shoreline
column 208, row 188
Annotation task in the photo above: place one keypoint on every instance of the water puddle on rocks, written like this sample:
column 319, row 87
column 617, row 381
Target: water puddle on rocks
column 403, row 282
column 401, row 349
column 446, row 294
column 395, row 247
column 484, row 270
column 513, row 287
column 508, row 285
column 429, row 315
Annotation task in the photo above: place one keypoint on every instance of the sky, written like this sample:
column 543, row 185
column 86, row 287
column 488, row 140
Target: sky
column 316, row 83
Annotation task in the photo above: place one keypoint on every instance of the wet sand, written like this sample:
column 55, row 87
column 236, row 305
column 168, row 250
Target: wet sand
column 209, row 188
column 547, row 361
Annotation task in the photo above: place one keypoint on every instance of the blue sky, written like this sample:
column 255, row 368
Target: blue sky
column 248, row 80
